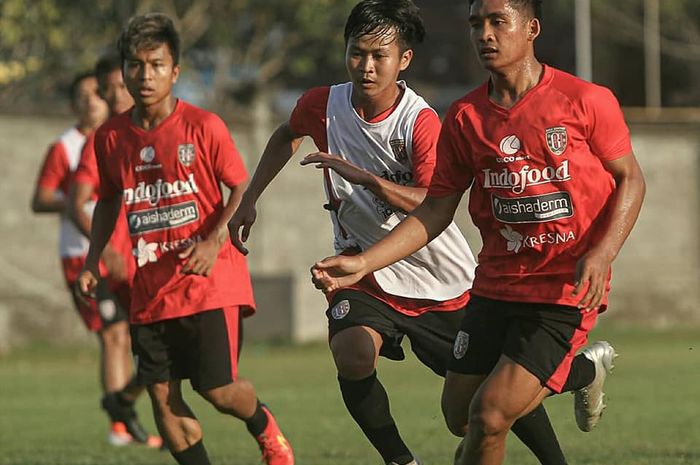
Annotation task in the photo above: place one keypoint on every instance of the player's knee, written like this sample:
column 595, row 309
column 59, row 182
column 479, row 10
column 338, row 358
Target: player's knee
column 489, row 422
column 354, row 364
column 115, row 335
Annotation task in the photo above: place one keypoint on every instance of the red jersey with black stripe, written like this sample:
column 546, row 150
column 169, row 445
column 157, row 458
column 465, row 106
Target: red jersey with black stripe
column 169, row 179
column 540, row 191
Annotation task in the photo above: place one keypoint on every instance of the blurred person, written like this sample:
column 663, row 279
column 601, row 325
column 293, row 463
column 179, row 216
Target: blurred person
column 114, row 291
column 164, row 160
column 377, row 141
column 555, row 191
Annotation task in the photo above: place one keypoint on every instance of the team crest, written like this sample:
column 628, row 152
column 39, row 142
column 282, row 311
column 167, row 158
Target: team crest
column 340, row 310
column 461, row 344
column 556, row 139
column 398, row 146
column 185, row 153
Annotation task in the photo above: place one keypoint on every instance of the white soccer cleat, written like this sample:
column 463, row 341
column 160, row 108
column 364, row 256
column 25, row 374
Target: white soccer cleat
column 589, row 402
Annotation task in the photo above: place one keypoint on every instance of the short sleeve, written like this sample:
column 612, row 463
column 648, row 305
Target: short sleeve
column 608, row 134
column 309, row 116
column 110, row 178
column 55, row 169
column 426, row 131
column 86, row 172
column 453, row 172
column 226, row 159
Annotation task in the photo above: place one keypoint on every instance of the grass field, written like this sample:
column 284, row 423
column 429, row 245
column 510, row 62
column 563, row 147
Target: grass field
column 49, row 414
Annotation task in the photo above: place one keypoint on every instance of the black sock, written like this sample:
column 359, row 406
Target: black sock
column 193, row 455
column 258, row 422
column 367, row 402
column 581, row 374
column 535, row 431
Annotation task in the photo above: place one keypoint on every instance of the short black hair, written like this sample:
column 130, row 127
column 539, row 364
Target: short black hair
column 377, row 17
column 532, row 7
column 75, row 84
column 148, row 32
column 107, row 63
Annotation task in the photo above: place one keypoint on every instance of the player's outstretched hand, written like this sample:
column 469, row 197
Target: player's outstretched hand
column 243, row 218
column 344, row 168
column 85, row 286
column 333, row 273
column 591, row 272
column 199, row 258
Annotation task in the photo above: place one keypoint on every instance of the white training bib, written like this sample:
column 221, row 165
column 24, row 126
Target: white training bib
column 443, row 269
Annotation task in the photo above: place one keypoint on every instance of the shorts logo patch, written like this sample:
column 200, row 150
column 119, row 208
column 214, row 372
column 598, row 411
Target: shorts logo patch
column 340, row 310
column 461, row 344
column 107, row 309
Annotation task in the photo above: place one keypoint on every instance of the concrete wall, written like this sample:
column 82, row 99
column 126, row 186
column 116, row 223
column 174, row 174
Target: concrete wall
column 656, row 278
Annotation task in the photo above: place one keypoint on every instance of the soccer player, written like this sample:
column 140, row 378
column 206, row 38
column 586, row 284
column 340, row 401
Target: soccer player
column 555, row 191
column 377, row 149
column 164, row 160
column 114, row 291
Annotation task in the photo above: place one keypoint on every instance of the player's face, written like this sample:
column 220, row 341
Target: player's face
column 374, row 62
column 150, row 75
column 114, row 92
column 87, row 104
column 502, row 35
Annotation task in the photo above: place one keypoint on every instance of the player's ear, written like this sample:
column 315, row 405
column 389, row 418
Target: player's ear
column 406, row 58
column 534, row 29
column 176, row 73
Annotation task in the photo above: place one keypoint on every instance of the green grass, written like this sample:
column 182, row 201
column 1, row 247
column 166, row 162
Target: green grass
column 49, row 411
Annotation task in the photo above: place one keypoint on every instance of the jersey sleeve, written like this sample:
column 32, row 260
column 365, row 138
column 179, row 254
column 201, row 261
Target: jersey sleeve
column 55, row 169
column 426, row 131
column 309, row 116
column 608, row 134
column 110, row 179
column 225, row 157
column 86, row 172
column 453, row 172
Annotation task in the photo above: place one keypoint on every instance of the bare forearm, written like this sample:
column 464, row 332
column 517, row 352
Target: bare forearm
column 625, row 206
column 79, row 197
column 45, row 201
column 103, row 221
column 404, row 198
column 279, row 150
column 220, row 232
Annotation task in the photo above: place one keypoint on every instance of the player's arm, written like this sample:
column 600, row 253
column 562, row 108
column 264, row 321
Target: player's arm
column 103, row 220
column 625, row 204
column 81, row 195
column 46, row 200
column 279, row 149
column 404, row 198
column 200, row 258
column 425, row 223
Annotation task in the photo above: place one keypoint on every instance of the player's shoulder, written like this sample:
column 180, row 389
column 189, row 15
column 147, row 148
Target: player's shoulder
column 315, row 97
column 579, row 90
column 200, row 118
column 114, row 124
column 466, row 104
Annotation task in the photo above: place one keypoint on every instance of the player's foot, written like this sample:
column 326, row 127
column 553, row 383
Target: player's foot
column 415, row 461
column 124, row 414
column 274, row 446
column 118, row 436
column 589, row 402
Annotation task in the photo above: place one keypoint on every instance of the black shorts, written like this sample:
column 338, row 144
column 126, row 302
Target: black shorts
column 542, row 338
column 109, row 305
column 431, row 334
column 203, row 348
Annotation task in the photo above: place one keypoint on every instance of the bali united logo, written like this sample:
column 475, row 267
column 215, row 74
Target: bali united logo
column 461, row 345
column 398, row 146
column 556, row 139
column 185, row 153
column 340, row 310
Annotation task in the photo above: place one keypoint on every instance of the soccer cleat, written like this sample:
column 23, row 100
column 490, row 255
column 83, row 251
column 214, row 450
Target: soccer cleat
column 412, row 462
column 118, row 436
column 589, row 402
column 274, row 446
column 125, row 414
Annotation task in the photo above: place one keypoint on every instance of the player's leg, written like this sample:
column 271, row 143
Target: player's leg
column 177, row 424
column 359, row 331
column 121, row 387
column 213, row 371
column 476, row 350
column 503, row 397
